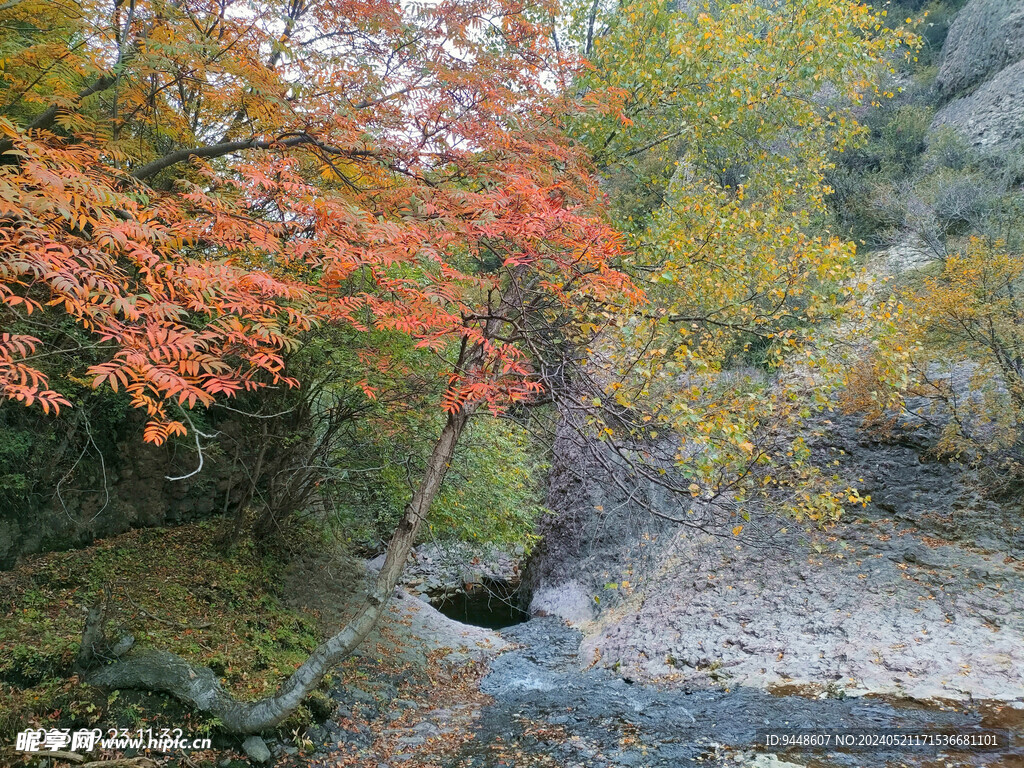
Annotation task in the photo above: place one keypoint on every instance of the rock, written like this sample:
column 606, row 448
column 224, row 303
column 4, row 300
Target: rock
column 981, row 73
column 435, row 569
column 569, row 601
column 916, row 553
column 985, row 37
column 361, row 696
column 122, row 646
column 543, row 683
column 630, row 758
column 993, row 116
column 848, row 609
column 256, row 749
column 909, row 254
column 771, row 761
column 411, row 628
column 427, row 730
column 594, row 534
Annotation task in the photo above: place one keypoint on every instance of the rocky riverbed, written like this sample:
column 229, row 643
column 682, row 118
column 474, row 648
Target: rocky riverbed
column 540, row 707
column 546, row 707
column 918, row 594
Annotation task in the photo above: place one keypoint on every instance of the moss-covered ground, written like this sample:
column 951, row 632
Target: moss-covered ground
column 170, row 588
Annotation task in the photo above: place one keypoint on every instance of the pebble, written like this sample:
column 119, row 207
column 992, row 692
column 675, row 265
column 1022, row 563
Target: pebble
column 256, row 749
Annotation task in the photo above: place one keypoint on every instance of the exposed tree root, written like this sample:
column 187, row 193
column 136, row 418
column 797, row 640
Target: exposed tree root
column 199, row 687
column 123, row 762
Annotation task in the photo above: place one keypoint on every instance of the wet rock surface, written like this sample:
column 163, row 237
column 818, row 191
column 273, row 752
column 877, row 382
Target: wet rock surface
column 537, row 706
column 548, row 710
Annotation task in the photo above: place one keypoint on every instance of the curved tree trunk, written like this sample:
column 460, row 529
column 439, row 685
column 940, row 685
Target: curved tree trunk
column 199, row 686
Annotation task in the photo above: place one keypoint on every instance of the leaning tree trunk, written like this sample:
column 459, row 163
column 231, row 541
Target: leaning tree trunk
column 199, row 686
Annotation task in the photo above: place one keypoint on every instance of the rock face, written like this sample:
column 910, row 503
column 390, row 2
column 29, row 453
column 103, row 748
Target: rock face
column 986, row 36
column 548, row 709
column 131, row 492
column 116, row 484
column 985, row 52
column 918, row 595
column 599, row 533
column 993, row 116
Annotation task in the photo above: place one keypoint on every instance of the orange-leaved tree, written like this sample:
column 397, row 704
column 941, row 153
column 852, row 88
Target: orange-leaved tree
column 196, row 182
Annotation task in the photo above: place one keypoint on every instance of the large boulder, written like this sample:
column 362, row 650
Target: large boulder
column 981, row 75
column 986, row 37
column 991, row 117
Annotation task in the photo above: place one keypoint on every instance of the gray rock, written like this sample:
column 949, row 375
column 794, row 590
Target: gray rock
column 123, row 645
column 985, row 37
column 882, row 604
column 993, row 116
column 981, row 75
column 256, row 749
column 630, row 758
column 771, row 761
column 427, row 730
column 569, row 600
column 543, row 681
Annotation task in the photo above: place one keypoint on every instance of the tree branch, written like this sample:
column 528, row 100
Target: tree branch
column 229, row 147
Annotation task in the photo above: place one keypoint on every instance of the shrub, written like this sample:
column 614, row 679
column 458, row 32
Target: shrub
column 903, row 136
column 960, row 201
column 947, row 149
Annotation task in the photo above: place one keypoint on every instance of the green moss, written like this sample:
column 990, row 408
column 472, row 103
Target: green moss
column 171, row 589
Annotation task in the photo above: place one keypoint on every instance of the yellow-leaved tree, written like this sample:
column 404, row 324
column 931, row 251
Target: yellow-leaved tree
column 714, row 125
column 949, row 354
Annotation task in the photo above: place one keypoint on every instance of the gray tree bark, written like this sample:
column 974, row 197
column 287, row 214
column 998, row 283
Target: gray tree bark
column 199, row 687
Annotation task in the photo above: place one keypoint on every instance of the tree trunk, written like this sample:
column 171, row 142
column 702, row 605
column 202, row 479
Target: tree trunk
column 199, row 686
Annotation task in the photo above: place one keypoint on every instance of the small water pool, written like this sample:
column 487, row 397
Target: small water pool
column 492, row 604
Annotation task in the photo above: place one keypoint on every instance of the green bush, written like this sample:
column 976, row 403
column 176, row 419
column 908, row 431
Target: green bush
column 902, row 137
column 493, row 490
column 948, row 149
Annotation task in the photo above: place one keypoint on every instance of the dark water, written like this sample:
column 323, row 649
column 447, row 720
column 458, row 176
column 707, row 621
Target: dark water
column 491, row 604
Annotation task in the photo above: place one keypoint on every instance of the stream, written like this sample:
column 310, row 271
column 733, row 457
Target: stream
column 548, row 711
